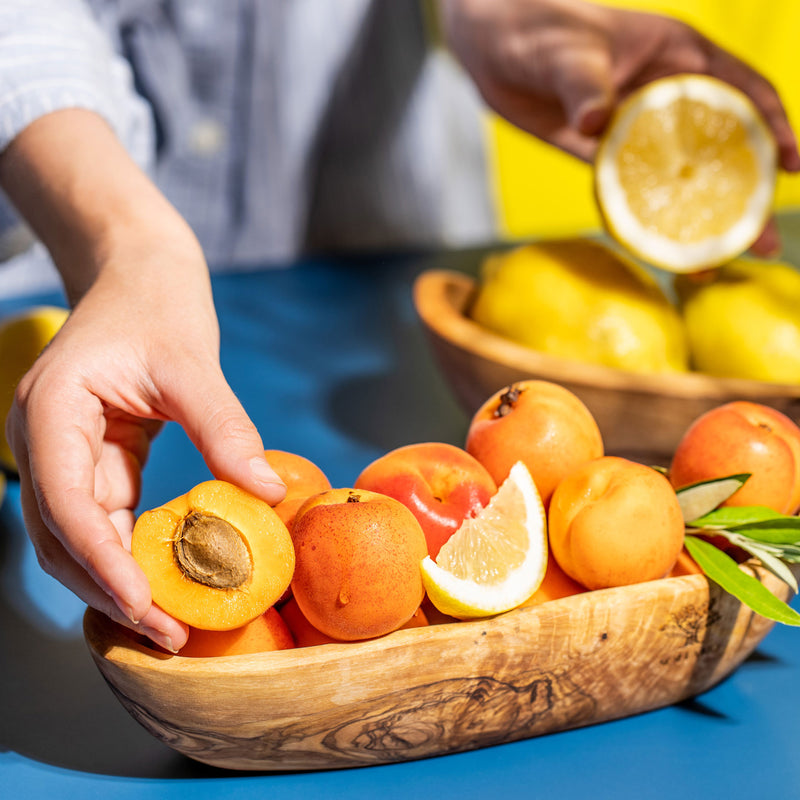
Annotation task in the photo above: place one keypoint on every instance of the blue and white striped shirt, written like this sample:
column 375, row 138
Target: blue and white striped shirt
column 274, row 126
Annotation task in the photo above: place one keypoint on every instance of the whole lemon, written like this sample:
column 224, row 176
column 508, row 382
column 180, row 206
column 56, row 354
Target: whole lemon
column 22, row 337
column 579, row 299
column 743, row 320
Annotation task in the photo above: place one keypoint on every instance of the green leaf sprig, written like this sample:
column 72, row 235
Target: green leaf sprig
column 768, row 536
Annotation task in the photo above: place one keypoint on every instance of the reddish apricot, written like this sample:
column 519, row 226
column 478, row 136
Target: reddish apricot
column 266, row 632
column 302, row 477
column 216, row 557
column 537, row 422
column 613, row 522
column 743, row 437
column 440, row 484
column 358, row 563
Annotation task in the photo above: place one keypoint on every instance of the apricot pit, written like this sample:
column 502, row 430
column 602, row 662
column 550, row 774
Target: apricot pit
column 211, row 551
column 216, row 557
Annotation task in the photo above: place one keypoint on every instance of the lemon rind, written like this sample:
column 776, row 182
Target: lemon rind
column 467, row 599
column 653, row 247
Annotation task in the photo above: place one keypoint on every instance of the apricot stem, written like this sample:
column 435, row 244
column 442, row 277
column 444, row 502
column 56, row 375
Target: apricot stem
column 508, row 400
column 209, row 550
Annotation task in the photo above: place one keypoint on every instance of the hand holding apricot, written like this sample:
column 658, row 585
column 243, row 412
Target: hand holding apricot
column 141, row 346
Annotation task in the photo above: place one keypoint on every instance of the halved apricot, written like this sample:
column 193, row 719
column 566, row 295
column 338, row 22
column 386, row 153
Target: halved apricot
column 216, row 557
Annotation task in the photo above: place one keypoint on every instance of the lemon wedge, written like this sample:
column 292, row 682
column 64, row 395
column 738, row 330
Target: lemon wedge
column 685, row 173
column 495, row 560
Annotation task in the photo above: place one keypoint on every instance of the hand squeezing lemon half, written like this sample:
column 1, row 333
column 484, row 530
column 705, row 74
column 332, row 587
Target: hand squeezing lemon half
column 685, row 173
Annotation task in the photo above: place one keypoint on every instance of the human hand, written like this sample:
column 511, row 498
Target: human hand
column 140, row 347
column 81, row 427
column 557, row 69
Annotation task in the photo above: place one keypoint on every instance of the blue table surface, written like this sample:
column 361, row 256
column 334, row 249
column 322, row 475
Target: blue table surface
column 330, row 361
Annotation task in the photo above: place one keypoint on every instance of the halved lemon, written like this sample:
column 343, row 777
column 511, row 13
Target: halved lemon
column 685, row 173
column 495, row 560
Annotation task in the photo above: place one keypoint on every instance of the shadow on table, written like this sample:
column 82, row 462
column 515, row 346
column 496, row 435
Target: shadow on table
column 57, row 709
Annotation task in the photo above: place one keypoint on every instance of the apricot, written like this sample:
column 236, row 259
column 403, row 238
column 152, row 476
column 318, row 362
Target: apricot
column 540, row 423
column 614, row 522
column 306, row 635
column 685, row 565
column 440, row 484
column 743, row 437
column 358, row 563
column 266, row 632
column 555, row 585
column 303, row 478
column 216, row 557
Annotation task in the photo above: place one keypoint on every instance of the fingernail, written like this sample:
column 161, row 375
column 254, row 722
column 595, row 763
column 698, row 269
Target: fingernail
column 159, row 638
column 263, row 473
column 124, row 608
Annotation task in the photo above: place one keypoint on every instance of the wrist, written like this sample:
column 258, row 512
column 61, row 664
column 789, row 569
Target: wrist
column 89, row 203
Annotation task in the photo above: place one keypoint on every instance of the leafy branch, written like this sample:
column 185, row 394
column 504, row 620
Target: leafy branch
column 766, row 535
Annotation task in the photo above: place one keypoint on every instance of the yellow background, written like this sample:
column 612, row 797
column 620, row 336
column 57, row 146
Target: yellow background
column 543, row 192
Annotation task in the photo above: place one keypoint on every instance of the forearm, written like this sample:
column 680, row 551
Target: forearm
column 93, row 208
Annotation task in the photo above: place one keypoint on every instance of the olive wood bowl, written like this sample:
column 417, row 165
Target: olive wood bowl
column 445, row 688
column 642, row 416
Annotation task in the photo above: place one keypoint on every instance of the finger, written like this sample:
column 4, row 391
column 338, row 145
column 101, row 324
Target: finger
column 221, row 430
column 158, row 626
column 729, row 68
column 57, row 482
column 768, row 244
column 585, row 87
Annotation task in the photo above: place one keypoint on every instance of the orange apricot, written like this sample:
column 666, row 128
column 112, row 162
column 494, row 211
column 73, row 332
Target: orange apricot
column 685, row 565
column 266, row 632
column 614, row 522
column 306, row 635
column 540, row 423
column 743, row 437
column 216, row 557
column 358, row 563
column 555, row 585
column 303, row 478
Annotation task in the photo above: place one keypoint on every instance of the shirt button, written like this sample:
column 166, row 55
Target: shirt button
column 206, row 137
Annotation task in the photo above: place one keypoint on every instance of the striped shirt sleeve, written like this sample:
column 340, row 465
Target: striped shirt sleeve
column 53, row 55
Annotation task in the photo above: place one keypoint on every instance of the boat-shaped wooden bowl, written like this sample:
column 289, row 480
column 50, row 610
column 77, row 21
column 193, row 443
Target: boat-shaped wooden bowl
column 638, row 415
column 445, row 688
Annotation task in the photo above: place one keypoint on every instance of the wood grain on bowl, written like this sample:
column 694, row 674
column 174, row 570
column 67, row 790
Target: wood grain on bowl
column 641, row 416
column 446, row 688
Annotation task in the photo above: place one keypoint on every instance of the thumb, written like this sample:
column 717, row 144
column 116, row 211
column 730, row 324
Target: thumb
column 586, row 89
column 231, row 446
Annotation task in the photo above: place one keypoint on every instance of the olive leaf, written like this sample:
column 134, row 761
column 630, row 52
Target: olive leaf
column 723, row 570
column 767, row 535
column 735, row 516
column 698, row 499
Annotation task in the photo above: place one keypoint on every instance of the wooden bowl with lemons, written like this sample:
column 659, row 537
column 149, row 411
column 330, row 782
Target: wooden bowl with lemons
column 640, row 415
column 684, row 179
column 445, row 688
